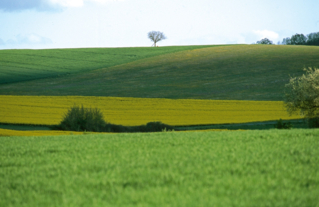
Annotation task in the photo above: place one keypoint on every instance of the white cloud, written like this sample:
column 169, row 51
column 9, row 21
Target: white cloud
column 103, row 1
column 28, row 40
column 20, row 5
column 210, row 39
column 67, row 3
column 45, row 5
column 266, row 34
column 78, row 3
column 33, row 39
column 1, row 42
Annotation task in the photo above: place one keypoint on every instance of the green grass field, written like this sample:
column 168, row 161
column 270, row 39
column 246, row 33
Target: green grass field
column 238, row 168
column 23, row 65
column 237, row 72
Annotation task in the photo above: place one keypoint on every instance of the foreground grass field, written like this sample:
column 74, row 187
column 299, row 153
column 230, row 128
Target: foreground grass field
column 233, row 72
column 250, row 168
column 49, row 110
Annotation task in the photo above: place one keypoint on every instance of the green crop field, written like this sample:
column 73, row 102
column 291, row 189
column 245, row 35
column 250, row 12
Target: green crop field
column 23, row 65
column 232, row 72
column 238, row 168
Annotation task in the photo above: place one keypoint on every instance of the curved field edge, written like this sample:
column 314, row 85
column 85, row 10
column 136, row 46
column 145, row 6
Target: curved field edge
column 49, row 110
column 239, row 72
column 26, row 65
column 10, row 132
column 249, row 168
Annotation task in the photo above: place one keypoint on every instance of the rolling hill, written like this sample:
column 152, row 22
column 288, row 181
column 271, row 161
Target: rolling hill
column 232, row 72
column 22, row 65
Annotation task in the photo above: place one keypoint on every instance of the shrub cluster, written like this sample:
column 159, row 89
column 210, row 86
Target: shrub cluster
column 83, row 119
column 149, row 127
column 265, row 41
column 281, row 125
column 313, row 122
column 88, row 119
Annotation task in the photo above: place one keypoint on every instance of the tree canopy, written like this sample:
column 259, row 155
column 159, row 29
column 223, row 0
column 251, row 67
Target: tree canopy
column 313, row 38
column 156, row 36
column 286, row 41
column 265, row 41
column 300, row 39
column 302, row 94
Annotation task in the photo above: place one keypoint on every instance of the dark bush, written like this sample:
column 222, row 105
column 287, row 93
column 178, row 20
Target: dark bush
column 281, row 125
column 157, row 127
column 265, row 41
column 83, row 119
column 313, row 122
column 149, row 127
column 116, row 128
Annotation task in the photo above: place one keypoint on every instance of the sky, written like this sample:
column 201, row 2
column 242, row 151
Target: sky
column 41, row 24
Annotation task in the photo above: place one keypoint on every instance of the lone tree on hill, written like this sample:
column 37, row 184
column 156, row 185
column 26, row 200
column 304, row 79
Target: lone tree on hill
column 302, row 94
column 265, row 41
column 156, row 36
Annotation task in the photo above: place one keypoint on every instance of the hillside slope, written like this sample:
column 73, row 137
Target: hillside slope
column 22, row 65
column 238, row 72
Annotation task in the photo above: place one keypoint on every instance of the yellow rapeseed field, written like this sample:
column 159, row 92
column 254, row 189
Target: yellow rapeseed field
column 49, row 110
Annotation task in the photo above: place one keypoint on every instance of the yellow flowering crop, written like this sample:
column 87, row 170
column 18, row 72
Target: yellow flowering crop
column 49, row 110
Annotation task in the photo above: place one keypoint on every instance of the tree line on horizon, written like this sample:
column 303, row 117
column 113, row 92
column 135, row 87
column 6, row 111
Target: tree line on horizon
column 296, row 39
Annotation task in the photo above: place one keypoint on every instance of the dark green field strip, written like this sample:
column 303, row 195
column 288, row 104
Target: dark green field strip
column 241, row 72
column 23, row 127
column 61, row 61
column 250, row 168
column 296, row 124
column 15, row 74
column 29, row 69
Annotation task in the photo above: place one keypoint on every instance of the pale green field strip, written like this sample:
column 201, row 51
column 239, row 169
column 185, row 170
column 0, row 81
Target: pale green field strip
column 49, row 110
column 276, row 168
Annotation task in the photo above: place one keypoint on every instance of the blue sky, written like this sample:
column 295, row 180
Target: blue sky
column 125, row 23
